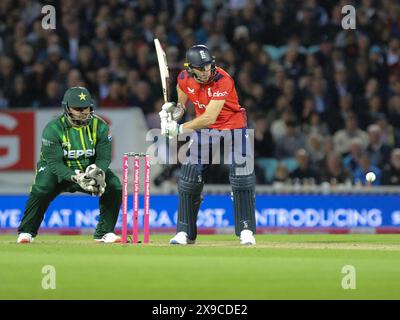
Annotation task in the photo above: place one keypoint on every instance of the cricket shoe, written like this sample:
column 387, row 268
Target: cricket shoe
column 247, row 238
column 109, row 238
column 25, row 238
column 181, row 238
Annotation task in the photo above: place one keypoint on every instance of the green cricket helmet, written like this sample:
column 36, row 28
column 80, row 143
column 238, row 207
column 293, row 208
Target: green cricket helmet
column 77, row 98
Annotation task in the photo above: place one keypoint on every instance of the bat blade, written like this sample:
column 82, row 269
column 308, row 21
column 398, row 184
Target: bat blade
column 163, row 65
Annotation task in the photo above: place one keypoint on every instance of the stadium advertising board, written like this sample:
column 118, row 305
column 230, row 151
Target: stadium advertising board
column 273, row 212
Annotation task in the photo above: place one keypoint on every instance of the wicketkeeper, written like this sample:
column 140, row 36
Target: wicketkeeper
column 75, row 156
column 219, row 117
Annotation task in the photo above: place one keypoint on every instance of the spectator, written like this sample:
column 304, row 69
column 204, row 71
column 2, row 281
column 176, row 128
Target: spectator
column 307, row 27
column 25, row 57
column 393, row 54
column 204, row 32
column 335, row 119
column 319, row 97
column 343, row 137
column 371, row 89
column 388, row 133
column 292, row 141
column 20, row 97
column 315, row 148
column 6, row 74
column 340, row 86
column 103, row 86
column 393, row 87
column 142, row 98
column 277, row 28
column 364, row 167
column 31, row 10
column 86, row 59
column 394, row 109
column 75, row 78
column 378, row 151
column 377, row 67
column 391, row 172
column 275, row 87
column 324, row 55
column 53, row 95
column 292, row 63
column 304, row 173
column 3, row 101
column 308, row 108
column 374, row 108
column 360, row 76
column 281, row 174
column 279, row 126
column 315, row 126
column 351, row 161
column 333, row 171
column 61, row 76
column 264, row 145
column 281, row 105
column 73, row 39
column 289, row 91
column 115, row 97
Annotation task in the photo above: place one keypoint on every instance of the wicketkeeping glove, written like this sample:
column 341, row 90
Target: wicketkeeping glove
column 87, row 184
column 97, row 175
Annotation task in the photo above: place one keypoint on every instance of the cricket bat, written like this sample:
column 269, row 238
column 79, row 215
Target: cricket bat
column 163, row 65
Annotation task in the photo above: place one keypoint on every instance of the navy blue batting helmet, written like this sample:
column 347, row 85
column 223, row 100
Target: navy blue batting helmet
column 199, row 56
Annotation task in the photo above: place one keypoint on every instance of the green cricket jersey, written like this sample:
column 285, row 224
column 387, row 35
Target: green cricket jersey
column 66, row 148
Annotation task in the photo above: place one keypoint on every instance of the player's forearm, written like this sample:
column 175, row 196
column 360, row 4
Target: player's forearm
column 202, row 122
column 103, row 155
column 62, row 171
column 182, row 97
column 54, row 159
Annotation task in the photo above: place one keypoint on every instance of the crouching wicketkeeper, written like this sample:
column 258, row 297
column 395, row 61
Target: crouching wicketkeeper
column 75, row 156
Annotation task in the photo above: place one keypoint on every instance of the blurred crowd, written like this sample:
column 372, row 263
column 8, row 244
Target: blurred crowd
column 324, row 101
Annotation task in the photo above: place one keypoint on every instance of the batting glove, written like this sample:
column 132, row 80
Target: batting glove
column 172, row 128
column 175, row 109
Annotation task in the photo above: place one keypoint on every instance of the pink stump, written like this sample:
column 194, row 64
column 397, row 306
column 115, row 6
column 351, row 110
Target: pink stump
column 135, row 227
column 125, row 168
column 146, row 224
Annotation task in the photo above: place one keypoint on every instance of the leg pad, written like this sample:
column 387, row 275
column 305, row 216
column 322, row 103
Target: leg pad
column 190, row 186
column 243, row 194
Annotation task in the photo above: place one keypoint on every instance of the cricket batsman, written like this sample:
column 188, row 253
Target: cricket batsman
column 218, row 115
column 75, row 156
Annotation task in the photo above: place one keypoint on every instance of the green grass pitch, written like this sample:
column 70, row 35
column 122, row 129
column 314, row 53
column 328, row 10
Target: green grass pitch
column 217, row 267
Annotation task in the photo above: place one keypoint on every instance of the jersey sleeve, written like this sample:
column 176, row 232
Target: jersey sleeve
column 222, row 89
column 103, row 146
column 53, row 154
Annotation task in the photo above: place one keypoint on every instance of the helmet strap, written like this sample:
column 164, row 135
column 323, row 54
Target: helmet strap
column 77, row 122
column 194, row 75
